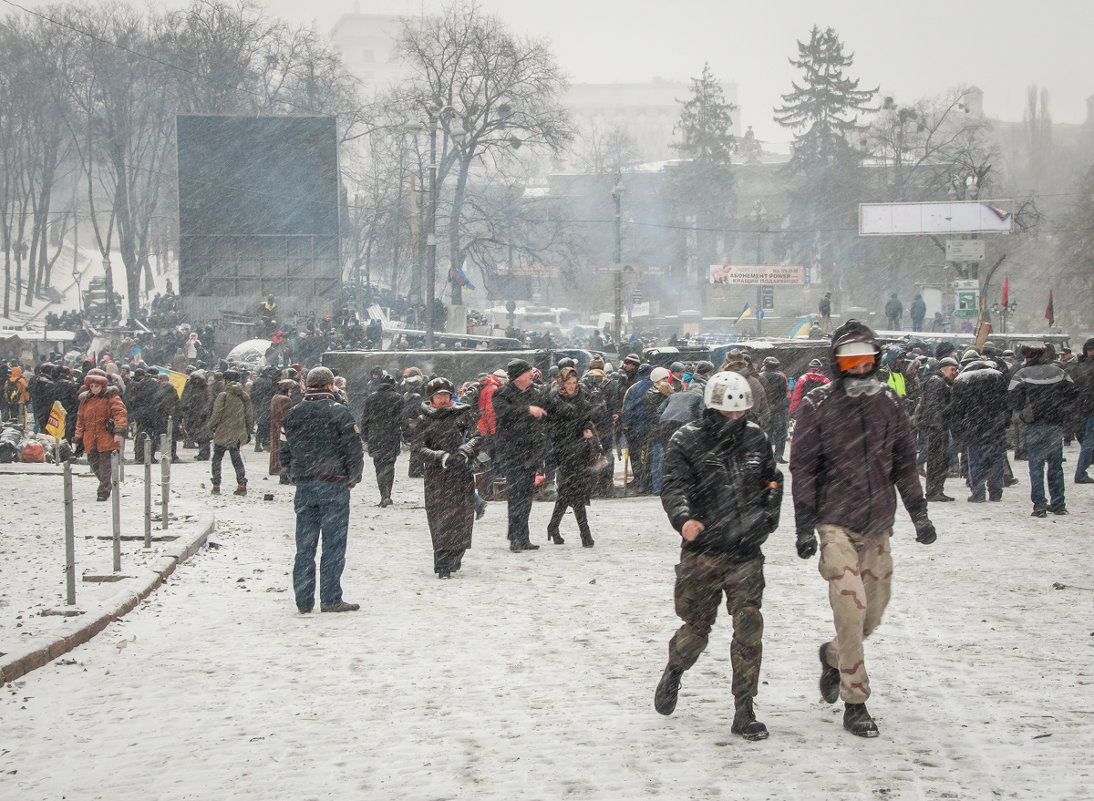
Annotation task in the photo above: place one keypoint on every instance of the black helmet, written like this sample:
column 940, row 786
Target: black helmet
column 439, row 384
column 566, row 361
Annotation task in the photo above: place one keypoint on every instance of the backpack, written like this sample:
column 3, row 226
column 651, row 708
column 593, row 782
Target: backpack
column 11, row 392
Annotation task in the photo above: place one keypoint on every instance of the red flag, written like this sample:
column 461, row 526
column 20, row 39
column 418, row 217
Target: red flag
column 1006, row 286
column 1049, row 314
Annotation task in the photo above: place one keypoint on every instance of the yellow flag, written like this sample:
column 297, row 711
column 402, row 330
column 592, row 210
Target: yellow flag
column 56, row 425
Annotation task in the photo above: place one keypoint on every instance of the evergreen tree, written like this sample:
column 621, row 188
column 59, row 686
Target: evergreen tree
column 703, row 184
column 824, row 104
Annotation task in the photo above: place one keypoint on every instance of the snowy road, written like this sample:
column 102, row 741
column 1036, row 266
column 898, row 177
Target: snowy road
column 531, row 675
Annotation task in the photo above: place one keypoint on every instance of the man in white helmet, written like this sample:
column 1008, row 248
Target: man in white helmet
column 852, row 445
column 722, row 492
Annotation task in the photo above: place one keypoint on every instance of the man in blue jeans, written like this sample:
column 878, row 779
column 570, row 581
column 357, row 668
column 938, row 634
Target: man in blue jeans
column 1083, row 375
column 321, row 452
column 1043, row 395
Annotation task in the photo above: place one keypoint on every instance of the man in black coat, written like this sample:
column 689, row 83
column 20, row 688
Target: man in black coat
column 68, row 392
column 778, row 397
column 722, row 494
column 979, row 413
column 321, row 452
column 932, row 418
column 262, row 392
column 43, row 392
column 381, row 430
column 517, row 445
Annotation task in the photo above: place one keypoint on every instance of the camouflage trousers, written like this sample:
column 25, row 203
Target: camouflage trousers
column 859, row 571
column 701, row 580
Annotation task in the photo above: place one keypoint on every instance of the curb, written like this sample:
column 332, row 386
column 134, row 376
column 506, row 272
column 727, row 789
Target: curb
column 39, row 651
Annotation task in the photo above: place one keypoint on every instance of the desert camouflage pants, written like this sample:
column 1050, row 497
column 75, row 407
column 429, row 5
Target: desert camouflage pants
column 701, row 579
column 859, row 571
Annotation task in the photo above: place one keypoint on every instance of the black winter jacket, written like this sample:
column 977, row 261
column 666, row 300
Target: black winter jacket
column 722, row 473
column 1043, row 394
column 321, row 441
column 382, row 421
column 519, row 437
column 979, row 408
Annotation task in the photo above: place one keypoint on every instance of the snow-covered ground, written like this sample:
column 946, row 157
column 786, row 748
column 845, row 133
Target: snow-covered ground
column 531, row 675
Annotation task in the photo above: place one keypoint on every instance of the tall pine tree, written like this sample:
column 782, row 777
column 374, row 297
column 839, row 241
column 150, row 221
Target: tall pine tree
column 825, row 104
column 703, row 184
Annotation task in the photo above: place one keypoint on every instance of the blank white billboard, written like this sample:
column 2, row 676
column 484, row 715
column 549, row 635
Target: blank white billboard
column 958, row 217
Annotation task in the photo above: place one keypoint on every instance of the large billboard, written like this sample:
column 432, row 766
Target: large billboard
column 258, row 213
column 957, row 217
column 786, row 275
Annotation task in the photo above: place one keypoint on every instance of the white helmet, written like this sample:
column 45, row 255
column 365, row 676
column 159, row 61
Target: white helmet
column 659, row 374
column 729, row 392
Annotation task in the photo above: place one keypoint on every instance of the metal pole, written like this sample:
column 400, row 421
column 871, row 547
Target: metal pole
column 121, row 460
column 116, row 507
column 617, row 196
column 165, row 479
column 147, row 491
column 70, row 546
column 431, row 240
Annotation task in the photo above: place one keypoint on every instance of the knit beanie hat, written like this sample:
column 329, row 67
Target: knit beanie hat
column 516, row 368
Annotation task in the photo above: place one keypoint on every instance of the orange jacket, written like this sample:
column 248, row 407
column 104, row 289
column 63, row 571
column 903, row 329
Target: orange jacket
column 92, row 416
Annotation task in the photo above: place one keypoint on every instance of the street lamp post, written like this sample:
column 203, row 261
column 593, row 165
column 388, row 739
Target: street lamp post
column 617, row 196
column 1004, row 311
column 431, row 238
column 759, row 219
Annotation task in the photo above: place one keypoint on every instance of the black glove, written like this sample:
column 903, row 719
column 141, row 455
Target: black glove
column 805, row 520
column 468, row 452
column 924, row 531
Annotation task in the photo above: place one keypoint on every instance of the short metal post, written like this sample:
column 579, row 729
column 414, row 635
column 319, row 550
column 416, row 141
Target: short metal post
column 147, row 491
column 70, row 539
column 121, row 460
column 116, row 507
column 165, row 478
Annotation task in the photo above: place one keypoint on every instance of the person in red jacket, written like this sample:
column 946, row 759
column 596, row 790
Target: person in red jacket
column 100, row 421
column 853, row 444
column 810, row 380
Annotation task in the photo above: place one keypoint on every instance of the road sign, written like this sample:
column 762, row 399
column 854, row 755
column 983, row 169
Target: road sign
column 767, row 297
column 964, row 250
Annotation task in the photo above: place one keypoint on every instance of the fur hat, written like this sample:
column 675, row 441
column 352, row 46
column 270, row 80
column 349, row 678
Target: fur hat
column 320, row 377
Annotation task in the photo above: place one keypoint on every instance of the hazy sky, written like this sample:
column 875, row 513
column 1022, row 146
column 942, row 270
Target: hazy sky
column 910, row 49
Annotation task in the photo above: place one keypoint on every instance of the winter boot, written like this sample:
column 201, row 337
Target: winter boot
column 858, row 721
column 215, row 490
column 241, row 490
column 586, row 538
column 664, row 699
column 829, row 678
column 554, row 536
column 744, row 720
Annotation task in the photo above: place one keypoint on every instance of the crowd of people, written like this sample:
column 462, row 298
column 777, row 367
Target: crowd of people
column 861, row 429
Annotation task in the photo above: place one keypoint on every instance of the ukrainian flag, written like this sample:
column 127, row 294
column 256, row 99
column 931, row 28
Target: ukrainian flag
column 801, row 330
column 745, row 312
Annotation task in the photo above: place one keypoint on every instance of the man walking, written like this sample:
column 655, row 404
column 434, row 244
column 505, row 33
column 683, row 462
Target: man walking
column 722, row 494
column 932, row 418
column 381, row 429
column 321, row 452
column 852, row 444
column 979, row 413
column 230, row 424
column 1043, row 394
column 518, row 441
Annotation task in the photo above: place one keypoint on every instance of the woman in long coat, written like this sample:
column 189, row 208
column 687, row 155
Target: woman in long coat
column 447, row 440
column 280, row 404
column 100, row 424
column 197, row 407
column 569, row 419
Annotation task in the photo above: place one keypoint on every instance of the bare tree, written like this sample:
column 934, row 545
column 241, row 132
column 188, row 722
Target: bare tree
column 489, row 92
